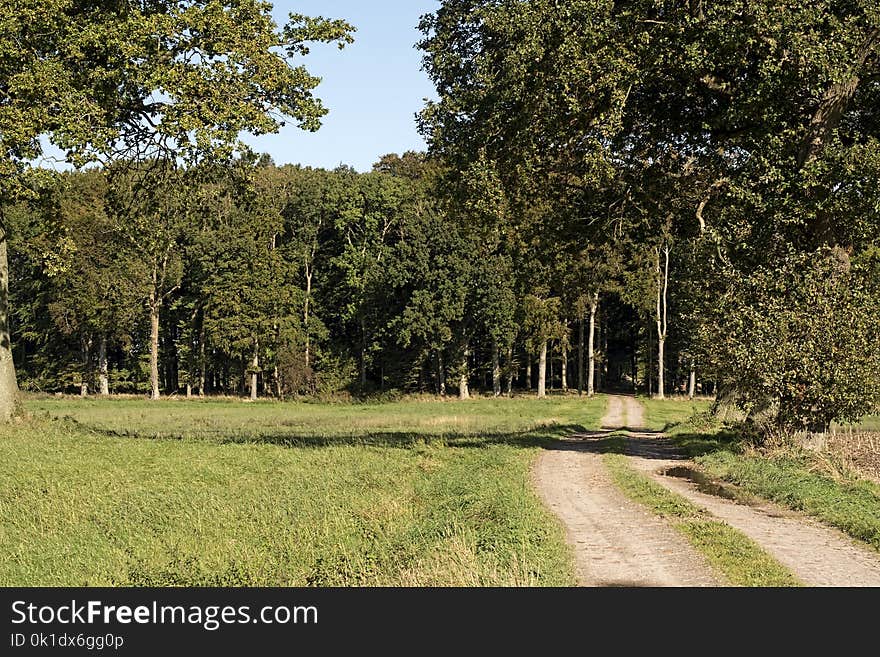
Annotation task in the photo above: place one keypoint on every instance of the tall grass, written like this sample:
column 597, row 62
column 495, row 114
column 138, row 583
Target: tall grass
column 131, row 493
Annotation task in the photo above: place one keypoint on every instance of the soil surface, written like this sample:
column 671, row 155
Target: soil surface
column 618, row 543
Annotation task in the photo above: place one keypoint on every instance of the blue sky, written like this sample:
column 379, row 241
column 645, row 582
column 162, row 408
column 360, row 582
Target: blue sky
column 373, row 88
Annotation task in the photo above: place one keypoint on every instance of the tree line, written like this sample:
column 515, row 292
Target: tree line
column 726, row 156
column 251, row 278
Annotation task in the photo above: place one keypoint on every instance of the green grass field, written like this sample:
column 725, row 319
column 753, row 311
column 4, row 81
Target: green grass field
column 128, row 492
column 870, row 423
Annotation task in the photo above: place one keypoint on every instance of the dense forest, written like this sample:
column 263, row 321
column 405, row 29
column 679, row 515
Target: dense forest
column 287, row 281
column 651, row 196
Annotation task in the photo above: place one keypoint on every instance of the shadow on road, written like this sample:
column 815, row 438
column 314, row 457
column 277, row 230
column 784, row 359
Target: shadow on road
column 632, row 442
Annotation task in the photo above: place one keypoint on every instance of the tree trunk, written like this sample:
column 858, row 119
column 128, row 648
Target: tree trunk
column 591, row 349
column 662, row 317
column 510, row 371
column 441, row 374
column 581, row 356
column 496, row 370
column 661, row 387
column 154, row 347
column 463, row 391
column 602, row 328
column 564, row 369
column 363, row 356
column 8, row 384
column 542, row 371
column 834, row 102
column 692, row 382
column 87, row 366
column 202, row 364
column 306, row 310
column 189, row 390
column 528, row 372
column 255, row 365
column 103, row 380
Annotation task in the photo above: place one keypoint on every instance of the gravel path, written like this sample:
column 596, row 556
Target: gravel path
column 616, row 542
column 816, row 554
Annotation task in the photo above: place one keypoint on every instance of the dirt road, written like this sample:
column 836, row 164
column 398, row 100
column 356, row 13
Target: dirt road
column 624, row 413
column 617, row 542
column 816, row 554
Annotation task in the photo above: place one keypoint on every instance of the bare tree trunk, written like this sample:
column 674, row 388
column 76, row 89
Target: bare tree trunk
column 306, row 310
column 8, row 384
column 154, row 347
column 662, row 317
column 103, row 379
column 463, row 391
column 202, row 363
column 189, row 390
column 87, row 365
column 510, row 371
column 363, row 356
column 441, row 374
column 591, row 349
column 496, row 370
column 564, row 349
column 542, row 371
column 603, row 370
column 661, row 387
column 692, row 382
column 255, row 365
column 528, row 371
column 581, row 356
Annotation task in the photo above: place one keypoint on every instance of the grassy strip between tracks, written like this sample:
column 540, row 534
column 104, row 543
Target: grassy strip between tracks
column 739, row 559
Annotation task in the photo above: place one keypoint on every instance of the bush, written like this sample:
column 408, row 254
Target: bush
column 800, row 342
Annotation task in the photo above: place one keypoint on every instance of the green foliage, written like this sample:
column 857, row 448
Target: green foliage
column 806, row 335
column 744, row 133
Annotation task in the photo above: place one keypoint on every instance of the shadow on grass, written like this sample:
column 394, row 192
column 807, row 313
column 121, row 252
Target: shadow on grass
column 696, row 444
column 648, row 444
column 543, row 437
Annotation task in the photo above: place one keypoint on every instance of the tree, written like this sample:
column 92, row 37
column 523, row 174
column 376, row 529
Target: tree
column 88, row 74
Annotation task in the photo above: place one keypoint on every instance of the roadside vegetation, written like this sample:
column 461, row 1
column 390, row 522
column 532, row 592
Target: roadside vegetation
column 412, row 493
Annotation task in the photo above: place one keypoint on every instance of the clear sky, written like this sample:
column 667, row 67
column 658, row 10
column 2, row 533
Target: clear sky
column 373, row 88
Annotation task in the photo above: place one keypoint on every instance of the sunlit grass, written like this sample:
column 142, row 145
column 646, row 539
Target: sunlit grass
column 211, row 493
